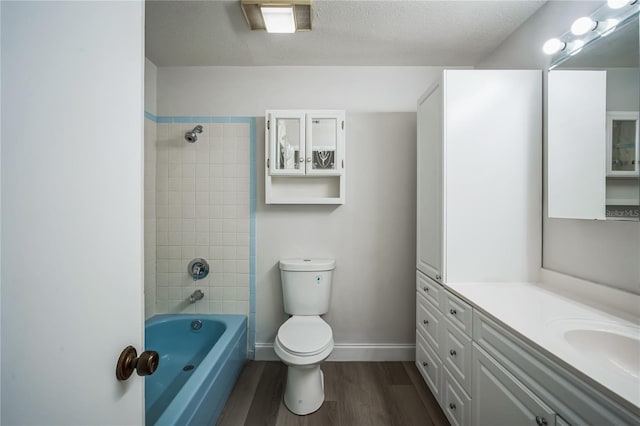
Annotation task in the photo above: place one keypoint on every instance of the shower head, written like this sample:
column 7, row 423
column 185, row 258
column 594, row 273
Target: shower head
column 192, row 136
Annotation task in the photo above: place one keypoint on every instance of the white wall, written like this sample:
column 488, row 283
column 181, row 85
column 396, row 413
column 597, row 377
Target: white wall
column 248, row 91
column 604, row 252
column 72, row 103
column 372, row 236
column 623, row 90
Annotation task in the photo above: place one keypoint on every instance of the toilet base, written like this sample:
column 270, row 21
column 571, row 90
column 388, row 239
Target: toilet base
column 304, row 392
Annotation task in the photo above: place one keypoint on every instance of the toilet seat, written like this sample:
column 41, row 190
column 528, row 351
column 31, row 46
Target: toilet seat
column 305, row 336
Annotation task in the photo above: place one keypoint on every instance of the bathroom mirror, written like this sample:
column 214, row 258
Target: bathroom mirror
column 593, row 136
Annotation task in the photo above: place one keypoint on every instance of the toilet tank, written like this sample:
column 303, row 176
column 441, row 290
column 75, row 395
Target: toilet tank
column 306, row 285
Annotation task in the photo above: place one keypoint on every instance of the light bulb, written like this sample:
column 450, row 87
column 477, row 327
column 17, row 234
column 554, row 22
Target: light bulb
column 608, row 26
column 583, row 25
column 617, row 4
column 553, row 46
column 576, row 47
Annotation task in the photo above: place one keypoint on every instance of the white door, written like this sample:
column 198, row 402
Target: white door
column 72, row 151
column 430, row 185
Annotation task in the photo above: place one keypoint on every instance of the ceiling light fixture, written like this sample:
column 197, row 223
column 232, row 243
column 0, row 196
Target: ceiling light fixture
column 553, row 46
column 277, row 16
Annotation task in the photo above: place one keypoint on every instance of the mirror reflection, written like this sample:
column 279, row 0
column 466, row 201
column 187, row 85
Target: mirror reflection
column 593, row 133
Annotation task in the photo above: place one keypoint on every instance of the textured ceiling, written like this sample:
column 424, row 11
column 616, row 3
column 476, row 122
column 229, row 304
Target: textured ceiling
column 427, row 33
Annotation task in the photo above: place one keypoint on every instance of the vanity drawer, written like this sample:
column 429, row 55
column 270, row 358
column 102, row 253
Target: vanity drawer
column 430, row 289
column 429, row 366
column 458, row 312
column 455, row 403
column 456, row 354
column 429, row 322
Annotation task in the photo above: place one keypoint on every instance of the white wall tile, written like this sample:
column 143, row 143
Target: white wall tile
column 201, row 202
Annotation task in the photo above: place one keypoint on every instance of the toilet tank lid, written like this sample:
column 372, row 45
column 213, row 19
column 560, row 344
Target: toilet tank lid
column 307, row 264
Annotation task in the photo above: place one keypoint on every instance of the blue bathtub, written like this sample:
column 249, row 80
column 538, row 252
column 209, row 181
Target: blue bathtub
column 197, row 369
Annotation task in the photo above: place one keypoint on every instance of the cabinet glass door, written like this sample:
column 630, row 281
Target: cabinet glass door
column 286, row 133
column 324, row 133
column 622, row 144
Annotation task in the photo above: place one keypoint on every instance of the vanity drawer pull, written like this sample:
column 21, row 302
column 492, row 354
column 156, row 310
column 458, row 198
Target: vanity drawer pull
column 425, row 288
column 453, row 311
column 452, row 352
column 452, row 406
column 425, row 322
column 425, row 364
column 541, row 421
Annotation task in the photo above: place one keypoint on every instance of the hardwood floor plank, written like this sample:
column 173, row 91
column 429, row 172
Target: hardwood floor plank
column 409, row 406
column 428, row 400
column 268, row 396
column 237, row 406
column 356, row 394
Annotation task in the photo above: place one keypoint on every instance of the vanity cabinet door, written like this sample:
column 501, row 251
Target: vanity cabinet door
column 501, row 399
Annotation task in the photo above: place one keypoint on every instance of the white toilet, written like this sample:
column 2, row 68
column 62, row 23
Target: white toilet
column 305, row 340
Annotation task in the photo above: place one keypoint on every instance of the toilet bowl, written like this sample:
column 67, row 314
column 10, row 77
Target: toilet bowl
column 305, row 339
column 303, row 342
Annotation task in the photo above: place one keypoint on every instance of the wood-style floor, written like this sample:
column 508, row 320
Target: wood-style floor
column 356, row 393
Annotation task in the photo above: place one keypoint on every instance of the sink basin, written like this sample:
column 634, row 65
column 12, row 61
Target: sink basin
column 621, row 351
column 611, row 345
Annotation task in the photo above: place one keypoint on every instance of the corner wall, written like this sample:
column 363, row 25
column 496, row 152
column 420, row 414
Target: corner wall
column 605, row 252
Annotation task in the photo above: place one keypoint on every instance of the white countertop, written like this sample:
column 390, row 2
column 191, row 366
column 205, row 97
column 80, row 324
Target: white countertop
column 542, row 316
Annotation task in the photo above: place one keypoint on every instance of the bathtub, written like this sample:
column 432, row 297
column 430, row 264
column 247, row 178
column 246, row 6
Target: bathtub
column 197, row 368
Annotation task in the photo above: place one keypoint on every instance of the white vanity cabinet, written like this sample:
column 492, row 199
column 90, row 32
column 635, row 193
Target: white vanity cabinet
column 479, row 166
column 304, row 157
column 515, row 383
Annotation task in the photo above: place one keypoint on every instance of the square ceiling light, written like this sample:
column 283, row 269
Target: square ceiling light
column 277, row 16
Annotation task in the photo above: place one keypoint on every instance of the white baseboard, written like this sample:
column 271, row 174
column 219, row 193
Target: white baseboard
column 352, row 352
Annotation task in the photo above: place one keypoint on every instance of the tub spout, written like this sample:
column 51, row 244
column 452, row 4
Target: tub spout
column 195, row 296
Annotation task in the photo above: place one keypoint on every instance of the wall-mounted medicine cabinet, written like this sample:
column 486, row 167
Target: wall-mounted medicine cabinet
column 305, row 157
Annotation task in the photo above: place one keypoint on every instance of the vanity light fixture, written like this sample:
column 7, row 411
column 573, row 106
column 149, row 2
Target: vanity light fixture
column 553, row 46
column 601, row 22
column 277, row 16
column 617, row 4
column 583, row 25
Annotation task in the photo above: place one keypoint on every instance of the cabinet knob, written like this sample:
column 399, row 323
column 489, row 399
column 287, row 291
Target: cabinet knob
column 541, row 421
column 452, row 352
column 425, row 288
column 308, row 159
column 425, row 322
column 453, row 311
column 438, row 277
column 425, row 364
column 452, row 406
column 302, row 160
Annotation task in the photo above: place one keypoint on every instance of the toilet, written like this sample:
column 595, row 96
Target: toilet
column 305, row 339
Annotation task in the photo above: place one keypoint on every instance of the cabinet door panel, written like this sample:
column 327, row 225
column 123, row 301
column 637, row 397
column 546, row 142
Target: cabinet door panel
column 429, row 365
column 455, row 403
column 287, row 143
column 429, row 197
column 501, row 399
column 324, row 136
column 429, row 322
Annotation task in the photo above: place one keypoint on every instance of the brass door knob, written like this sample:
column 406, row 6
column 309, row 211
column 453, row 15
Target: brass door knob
column 145, row 365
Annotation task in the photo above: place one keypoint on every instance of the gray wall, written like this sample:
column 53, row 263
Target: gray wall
column 371, row 236
column 604, row 252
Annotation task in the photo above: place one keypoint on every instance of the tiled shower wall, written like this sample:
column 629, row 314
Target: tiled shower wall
column 203, row 210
